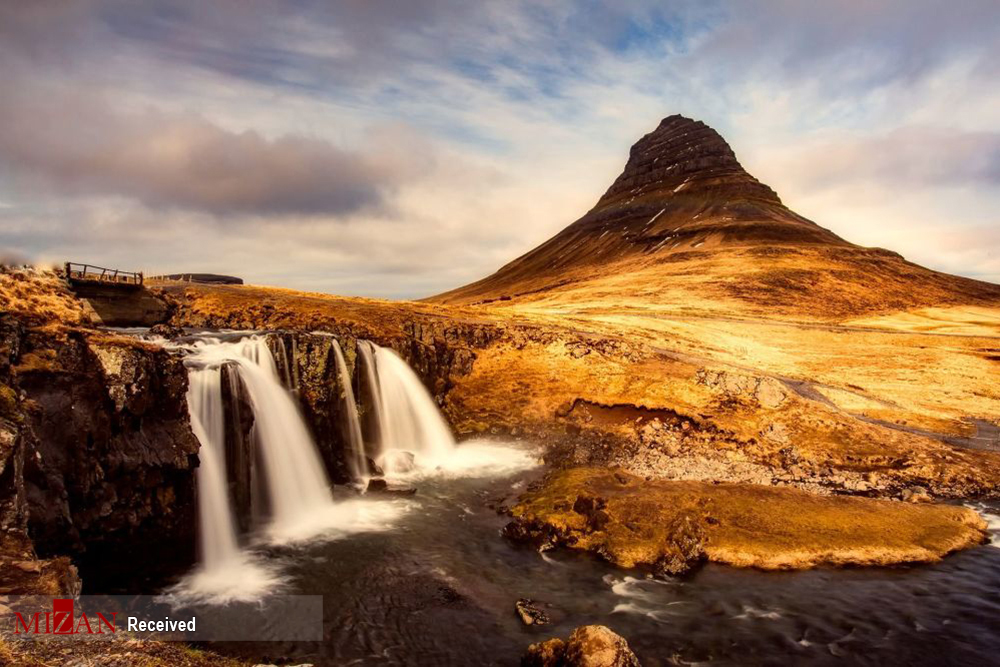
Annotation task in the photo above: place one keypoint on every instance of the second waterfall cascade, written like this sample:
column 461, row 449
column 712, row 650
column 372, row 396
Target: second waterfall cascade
column 412, row 432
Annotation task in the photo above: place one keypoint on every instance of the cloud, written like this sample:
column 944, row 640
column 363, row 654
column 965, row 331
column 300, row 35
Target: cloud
column 850, row 44
column 905, row 157
column 77, row 146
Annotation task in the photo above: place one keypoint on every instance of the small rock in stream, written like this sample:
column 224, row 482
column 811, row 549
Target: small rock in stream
column 377, row 485
column 530, row 614
column 166, row 330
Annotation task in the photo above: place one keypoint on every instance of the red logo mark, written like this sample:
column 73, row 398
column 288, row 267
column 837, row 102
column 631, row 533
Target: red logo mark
column 62, row 620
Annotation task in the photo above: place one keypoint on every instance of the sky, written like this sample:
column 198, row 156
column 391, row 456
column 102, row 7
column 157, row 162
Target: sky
column 397, row 150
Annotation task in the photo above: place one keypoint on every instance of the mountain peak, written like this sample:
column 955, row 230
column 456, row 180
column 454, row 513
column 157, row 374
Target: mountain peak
column 685, row 155
column 682, row 198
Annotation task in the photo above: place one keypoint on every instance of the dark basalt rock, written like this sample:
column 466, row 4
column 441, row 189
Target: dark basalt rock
column 166, row 330
column 686, row 152
column 246, row 486
column 686, row 550
column 308, row 367
column 380, row 486
column 108, row 454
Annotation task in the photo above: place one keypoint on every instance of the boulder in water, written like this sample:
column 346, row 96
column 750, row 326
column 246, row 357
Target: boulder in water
column 588, row 646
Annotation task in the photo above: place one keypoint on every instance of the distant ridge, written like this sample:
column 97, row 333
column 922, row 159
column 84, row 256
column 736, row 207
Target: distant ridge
column 205, row 278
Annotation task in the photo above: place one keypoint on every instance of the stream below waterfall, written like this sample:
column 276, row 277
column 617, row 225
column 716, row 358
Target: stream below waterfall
column 439, row 587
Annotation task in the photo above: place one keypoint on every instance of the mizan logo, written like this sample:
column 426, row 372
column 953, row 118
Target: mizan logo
column 62, row 621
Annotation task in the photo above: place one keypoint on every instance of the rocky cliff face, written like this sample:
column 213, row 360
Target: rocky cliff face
column 604, row 399
column 101, row 463
column 685, row 155
column 309, row 368
column 21, row 571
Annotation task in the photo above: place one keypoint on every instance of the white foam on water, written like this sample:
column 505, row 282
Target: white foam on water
column 338, row 520
column 244, row 577
column 645, row 597
column 750, row 612
column 472, row 458
column 549, row 559
column 992, row 517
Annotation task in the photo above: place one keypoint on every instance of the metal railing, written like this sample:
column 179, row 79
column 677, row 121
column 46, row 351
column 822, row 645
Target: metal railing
column 99, row 274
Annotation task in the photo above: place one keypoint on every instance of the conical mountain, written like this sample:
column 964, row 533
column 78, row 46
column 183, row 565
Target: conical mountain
column 686, row 226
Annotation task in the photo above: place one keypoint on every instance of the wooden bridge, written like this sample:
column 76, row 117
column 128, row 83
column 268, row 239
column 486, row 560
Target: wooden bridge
column 87, row 274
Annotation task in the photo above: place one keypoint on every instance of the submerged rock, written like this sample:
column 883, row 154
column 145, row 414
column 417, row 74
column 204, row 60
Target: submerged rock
column 529, row 613
column 588, row 646
column 378, row 485
column 166, row 330
column 373, row 468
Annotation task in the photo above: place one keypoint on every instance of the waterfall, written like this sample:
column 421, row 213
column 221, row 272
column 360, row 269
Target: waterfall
column 367, row 351
column 217, row 536
column 413, row 432
column 299, row 496
column 356, row 460
column 296, row 481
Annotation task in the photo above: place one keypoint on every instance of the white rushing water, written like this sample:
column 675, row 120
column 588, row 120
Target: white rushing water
column 218, row 537
column 413, row 432
column 356, row 456
column 414, row 439
column 225, row 573
column 366, row 350
column 991, row 514
column 296, row 480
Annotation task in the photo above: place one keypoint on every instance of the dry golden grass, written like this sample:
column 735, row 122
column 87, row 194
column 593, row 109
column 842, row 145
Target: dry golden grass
column 40, row 297
column 931, row 380
column 975, row 321
column 252, row 306
column 745, row 525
